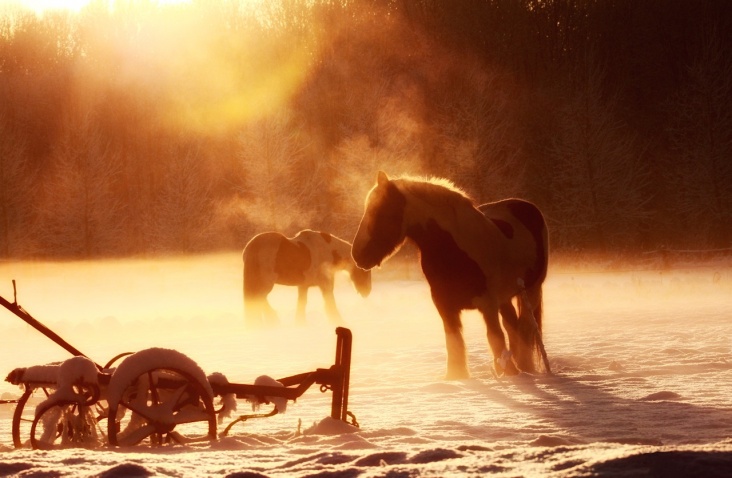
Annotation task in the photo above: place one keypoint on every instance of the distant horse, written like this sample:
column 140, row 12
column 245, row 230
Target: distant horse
column 309, row 259
column 473, row 258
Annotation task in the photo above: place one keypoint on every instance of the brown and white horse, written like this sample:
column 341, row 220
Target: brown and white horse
column 473, row 258
column 309, row 259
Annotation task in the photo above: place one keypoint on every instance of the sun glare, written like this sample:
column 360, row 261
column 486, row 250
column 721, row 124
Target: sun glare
column 41, row 6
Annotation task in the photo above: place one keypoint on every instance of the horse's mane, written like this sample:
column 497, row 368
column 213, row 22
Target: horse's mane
column 435, row 190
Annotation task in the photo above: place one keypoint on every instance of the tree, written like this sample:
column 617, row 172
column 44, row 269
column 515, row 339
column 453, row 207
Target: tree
column 701, row 136
column 478, row 149
column 79, row 214
column 181, row 219
column 18, row 190
column 598, row 185
column 272, row 195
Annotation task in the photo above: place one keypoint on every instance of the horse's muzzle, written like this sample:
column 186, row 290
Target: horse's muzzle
column 366, row 263
column 366, row 254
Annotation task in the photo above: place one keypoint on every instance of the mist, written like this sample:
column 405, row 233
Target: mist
column 640, row 358
column 142, row 129
column 195, row 305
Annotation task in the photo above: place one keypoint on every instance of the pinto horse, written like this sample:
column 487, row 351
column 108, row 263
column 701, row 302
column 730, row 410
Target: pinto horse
column 481, row 258
column 309, row 259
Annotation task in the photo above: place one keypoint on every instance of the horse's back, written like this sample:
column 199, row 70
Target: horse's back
column 325, row 248
column 271, row 258
column 514, row 209
column 262, row 244
column 523, row 227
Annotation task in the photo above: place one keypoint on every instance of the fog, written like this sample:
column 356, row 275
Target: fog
column 194, row 304
column 641, row 359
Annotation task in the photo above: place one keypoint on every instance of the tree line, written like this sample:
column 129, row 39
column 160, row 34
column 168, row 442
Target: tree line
column 140, row 128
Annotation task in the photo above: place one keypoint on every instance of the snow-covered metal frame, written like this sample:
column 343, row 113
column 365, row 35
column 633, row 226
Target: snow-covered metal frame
column 149, row 394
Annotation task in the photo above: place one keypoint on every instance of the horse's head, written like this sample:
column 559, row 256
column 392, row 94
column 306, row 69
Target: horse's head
column 381, row 231
column 361, row 280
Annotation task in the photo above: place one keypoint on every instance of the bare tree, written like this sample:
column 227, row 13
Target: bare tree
column 269, row 150
column 478, row 151
column 18, row 189
column 79, row 213
column 358, row 159
column 598, row 184
column 701, row 135
column 182, row 218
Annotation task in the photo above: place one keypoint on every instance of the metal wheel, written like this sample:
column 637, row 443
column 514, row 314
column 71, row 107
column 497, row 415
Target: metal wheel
column 161, row 396
column 66, row 423
column 23, row 418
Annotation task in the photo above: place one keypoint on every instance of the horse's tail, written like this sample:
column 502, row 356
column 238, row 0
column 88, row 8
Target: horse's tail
column 532, row 218
column 542, row 263
column 535, row 305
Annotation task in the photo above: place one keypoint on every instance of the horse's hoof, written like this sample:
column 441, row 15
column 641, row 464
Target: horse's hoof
column 457, row 375
column 509, row 370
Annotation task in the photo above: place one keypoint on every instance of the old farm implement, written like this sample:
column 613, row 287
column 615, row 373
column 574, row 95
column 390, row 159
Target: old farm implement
column 153, row 396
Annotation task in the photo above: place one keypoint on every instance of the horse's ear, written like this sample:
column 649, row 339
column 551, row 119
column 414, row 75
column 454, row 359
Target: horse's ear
column 381, row 178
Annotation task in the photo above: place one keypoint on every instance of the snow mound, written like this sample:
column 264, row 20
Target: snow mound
column 331, row 426
column 553, row 441
column 434, row 455
column 658, row 396
column 668, row 463
column 126, row 470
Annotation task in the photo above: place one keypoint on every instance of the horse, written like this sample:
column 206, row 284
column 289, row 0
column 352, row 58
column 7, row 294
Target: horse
column 482, row 258
column 308, row 259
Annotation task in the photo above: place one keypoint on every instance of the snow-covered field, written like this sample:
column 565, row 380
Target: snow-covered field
column 643, row 382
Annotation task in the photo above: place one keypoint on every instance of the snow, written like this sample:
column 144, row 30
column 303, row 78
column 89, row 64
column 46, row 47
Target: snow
column 229, row 404
column 279, row 402
column 36, row 373
column 642, row 383
column 150, row 359
column 76, row 370
column 73, row 371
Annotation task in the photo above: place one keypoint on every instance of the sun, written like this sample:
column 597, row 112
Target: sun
column 41, row 6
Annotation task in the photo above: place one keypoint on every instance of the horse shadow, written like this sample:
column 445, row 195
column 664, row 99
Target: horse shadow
column 592, row 408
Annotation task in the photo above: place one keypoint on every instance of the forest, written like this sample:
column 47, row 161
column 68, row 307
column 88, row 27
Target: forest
column 133, row 128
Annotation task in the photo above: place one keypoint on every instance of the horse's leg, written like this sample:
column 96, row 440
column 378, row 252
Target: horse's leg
column 258, row 311
column 270, row 315
column 330, row 306
column 457, row 363
column 501, row 356
column 252, row 310
column 302, row 300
